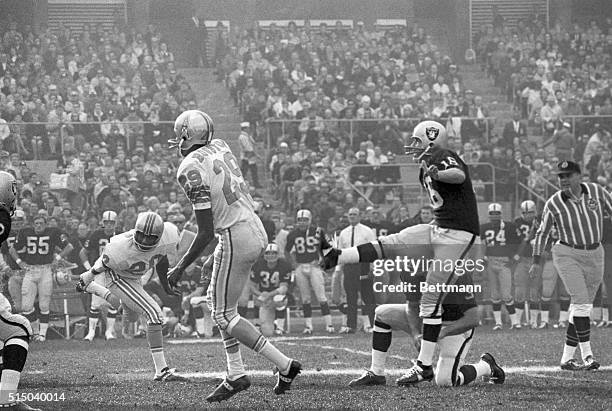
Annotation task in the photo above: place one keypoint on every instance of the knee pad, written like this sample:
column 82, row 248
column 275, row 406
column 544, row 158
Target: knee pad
column 280, row 302
column 381, row 313
column 581, row 310
column 224, row 318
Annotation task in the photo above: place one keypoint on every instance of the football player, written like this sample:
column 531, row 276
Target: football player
column 199, row 302
column 527, row 225
column 270, row 278
column 124, row 260
column 210, row 177
column 303, row 251
column 459, row 320
column 41, row 247
column 501, row 240
column 16, row 278
column 94, row 247
column 453, row 233
column 15, row 329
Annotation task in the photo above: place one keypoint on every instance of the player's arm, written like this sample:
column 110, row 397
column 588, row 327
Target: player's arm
column 18, row 245
column 161, row 268
column 447, row 170
column 5, row 225
column 100, row 266
column 202, row 241
column 607, row 198
column 543, row 233
column 84, row 258
column 465, row 323
column 62, row 244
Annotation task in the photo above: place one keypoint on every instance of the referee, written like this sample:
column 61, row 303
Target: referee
column 577, row 213
column 357, row 278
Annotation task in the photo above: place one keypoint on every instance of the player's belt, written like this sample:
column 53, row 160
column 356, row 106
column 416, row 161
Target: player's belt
column 581, row 247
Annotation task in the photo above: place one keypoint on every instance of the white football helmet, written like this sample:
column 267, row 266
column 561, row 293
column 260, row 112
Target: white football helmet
column 109, row 219
column 19, row 219
column 192, row 128
column 8, row 191
column 303, row 219
column 528, row 207
column 62, row 277
column 495, row 211
column 148, row 230
column 424, row 136
column 271, row 253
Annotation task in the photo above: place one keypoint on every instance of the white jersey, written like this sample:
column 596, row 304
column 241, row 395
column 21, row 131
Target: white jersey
column 121, row 255
column 211, row 178
column 5, row 305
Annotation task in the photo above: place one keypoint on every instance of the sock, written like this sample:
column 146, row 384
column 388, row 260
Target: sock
column 235, row 366
column 381, row 341
column 545, row 306
column 366, row 321
column 585, row 349
column 155, row 340
column 497, row 313
column 93, row 323
column 199, row 323
column 510, row 308
column 519, row 312
column 269, row 351
column 571, row 342
column 110, row 325
column 15, row 355
column 429, row 343
column 467, row 374
column 583, row 332
column 605, row 315
column 564, row 310
column 328, row 320
column 307, row 308
column 308, row 322
column 533, row 312
column 44, row 324
column 544, row 316
column 344, row 320
column 482, row 369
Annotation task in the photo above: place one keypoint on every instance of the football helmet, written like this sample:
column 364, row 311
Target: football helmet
column 271, row 253
column 109, row 219
column 148, row 230
column 303, row 219
column 192, row 128
column 424, row 136
column 61, row 277
column 19, row 218
column 528, row 209
column 495, row 211
column 8, row 191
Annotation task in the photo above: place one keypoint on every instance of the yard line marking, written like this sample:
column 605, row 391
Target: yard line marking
column 529, row 371
column 217, row 340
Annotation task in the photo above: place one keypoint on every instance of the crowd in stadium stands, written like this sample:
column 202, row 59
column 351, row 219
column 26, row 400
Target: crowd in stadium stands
column 552, row 78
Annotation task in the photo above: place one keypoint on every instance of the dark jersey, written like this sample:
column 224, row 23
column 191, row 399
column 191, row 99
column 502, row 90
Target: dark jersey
column 381, row 228
column 526, row 231
column 269, row 279
column 501, row 238
column 454, row 204
column 6, row 245
column 95, row 244
column 5, row 225
column 37, row 249
column 305, row 243
column 456, row 304
column 77, row 245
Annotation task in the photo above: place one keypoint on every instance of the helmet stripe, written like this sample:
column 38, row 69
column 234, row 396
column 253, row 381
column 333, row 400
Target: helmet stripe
column 149, row 222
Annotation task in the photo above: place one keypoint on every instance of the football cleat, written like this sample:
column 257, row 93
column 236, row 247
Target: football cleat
column 498, row 376
column 571, row 365
column 561, row 324
column 110, row 336
column 415, row 375
column 283, row 383
column 368, row 379
column 89, row 337
column 368, row 329
column 590, row 364
column 497, row 327
column 542, row 326
column 228, row 388
column 330, row 258
column 330, row 329
column 169, row 375
column 346, row 330
column 307, row 331
column 517, row 326
column 21, row 406
column 39, row 338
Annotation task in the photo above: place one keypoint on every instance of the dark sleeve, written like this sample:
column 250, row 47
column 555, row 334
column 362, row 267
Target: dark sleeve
column 285, row 272
column 5, row 225
column 290, row 240
column 60, row 239
column 447, row 159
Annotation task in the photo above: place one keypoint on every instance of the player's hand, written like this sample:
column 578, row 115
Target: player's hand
column 330, row 258
column 80, row 286
column 534, row 270
column 433, row 172
column 174, row 276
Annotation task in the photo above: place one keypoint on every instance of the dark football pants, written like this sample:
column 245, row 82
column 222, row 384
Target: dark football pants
column 357, row 280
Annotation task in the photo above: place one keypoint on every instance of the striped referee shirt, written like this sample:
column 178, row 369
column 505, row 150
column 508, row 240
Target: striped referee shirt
column 579, row 222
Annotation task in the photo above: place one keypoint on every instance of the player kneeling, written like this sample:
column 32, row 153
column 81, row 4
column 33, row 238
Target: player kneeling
column 125, row 259
column 269, row 282
column 15, row 333
column 459, row 319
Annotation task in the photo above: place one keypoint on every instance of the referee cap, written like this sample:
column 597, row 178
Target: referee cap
column 567, row 167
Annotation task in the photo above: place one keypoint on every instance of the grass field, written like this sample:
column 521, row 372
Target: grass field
column 118, row 375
